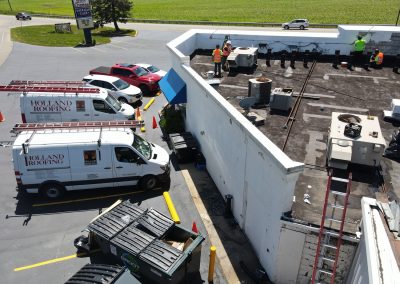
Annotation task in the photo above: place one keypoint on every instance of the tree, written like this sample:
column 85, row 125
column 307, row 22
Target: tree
column 111, row 11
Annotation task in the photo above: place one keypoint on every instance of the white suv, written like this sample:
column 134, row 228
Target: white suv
column 297, row 23
column 118, row 88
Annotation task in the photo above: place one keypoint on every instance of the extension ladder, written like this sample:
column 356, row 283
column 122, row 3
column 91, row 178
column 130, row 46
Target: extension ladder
column 327, row 254
column 81, row 124
column 48, row 89
column 43, row 83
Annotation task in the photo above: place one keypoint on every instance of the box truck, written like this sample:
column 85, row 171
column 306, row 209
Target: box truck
column 52, row 161
column 47, row 104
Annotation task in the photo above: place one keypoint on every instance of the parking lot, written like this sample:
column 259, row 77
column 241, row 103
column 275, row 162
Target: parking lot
column 36, row 239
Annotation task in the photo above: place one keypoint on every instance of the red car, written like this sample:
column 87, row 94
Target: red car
column 133, row 74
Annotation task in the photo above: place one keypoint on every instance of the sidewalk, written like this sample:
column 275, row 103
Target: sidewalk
column 235, row 256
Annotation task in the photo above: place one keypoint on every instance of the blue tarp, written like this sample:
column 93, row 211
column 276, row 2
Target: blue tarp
column 173, row 87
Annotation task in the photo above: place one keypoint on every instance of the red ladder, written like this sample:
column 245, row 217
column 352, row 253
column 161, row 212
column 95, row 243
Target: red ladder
column 81, row 124
column 24, row 88
column 323, row 264
column 31, row 82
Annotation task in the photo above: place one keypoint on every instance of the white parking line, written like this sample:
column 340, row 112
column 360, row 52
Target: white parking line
column 98, row 49
column 118, row 46
column 77, row 49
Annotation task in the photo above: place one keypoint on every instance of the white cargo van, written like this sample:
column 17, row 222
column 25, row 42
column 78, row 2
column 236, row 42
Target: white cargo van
column 86, row 104
column 52, row 161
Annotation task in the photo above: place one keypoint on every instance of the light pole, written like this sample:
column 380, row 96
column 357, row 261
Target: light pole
column 398, row 15
column 9, row 4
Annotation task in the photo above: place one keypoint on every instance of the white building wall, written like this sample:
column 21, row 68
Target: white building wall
column 240, row 159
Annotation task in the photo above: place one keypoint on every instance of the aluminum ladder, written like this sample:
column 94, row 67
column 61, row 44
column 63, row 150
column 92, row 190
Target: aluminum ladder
column 327, row 254
column 81, row 124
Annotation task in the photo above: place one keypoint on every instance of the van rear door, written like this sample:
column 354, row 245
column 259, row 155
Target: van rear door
column 128, row 166
column 91, row 167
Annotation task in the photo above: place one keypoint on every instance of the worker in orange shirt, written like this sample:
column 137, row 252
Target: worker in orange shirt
column 216, row 58
column 226, row 50
column 376, row 59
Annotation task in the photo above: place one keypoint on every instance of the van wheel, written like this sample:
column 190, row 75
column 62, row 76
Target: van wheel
column 52, row 190
column 301, row 27
column 148, row 182
column 122, row 100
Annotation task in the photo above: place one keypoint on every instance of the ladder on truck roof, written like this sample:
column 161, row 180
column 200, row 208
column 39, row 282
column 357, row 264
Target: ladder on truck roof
column 43, row 83
column 74, row 125
column 48, row 89
column 327, row 254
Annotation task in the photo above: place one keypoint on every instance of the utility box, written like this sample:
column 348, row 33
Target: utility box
column 281, row 99
column 354, row 139
column 151, row 245
column 394, row 113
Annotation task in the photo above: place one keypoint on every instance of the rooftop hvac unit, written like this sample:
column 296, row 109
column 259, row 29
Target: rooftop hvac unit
column 281, row 99
column 260, row 88
column 394, row 113
column 354, row 139
column 243, row 57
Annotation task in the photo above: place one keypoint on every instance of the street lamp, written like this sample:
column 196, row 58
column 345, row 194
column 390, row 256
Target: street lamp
column 398, row 15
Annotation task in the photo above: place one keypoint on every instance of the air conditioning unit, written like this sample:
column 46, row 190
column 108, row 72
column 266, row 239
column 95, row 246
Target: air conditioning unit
column 243, row 57
column 281, row 99
column 394, row 113
column 260, row 88
column 354, row 139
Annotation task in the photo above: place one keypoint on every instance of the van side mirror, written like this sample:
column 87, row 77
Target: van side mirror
column 140, row 161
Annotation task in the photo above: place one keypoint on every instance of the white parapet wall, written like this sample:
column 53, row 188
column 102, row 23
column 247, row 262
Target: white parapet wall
column 241, row 160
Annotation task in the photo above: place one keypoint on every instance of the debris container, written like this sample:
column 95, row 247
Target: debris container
column 109, row 224
column 104, row 274
column 152, row 246
column 184, row 146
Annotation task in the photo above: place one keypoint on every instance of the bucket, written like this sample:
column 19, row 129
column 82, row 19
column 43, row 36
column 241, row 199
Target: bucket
column 210, row 74
column 343, row 64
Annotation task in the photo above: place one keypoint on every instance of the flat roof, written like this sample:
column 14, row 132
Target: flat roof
column 328, row 90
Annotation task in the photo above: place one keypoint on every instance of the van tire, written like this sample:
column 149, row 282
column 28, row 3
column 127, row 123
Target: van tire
column 123, row 100
column 52, row 190
column 301, row 27
column 148, row 182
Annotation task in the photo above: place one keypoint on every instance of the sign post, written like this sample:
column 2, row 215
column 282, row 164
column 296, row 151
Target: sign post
column 84, row 20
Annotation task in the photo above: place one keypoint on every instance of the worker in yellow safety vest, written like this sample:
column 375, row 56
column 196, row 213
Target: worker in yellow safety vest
column 359, row 48
column 216, row 58
column 226, row 50
column 376, row 59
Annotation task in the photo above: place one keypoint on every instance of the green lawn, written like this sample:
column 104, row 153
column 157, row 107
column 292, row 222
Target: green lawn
column 317, row 11
column 46, row 36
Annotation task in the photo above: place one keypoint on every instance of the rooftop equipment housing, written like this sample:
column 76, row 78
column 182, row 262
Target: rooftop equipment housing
column 281, row 99
column 243, row 57
column 354, row 139
column 260, row 88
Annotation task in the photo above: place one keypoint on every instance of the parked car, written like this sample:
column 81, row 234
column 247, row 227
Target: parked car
column 152, row 69
column 118, row 88
column 133, row 74
column 296, row 24
column 23, row 16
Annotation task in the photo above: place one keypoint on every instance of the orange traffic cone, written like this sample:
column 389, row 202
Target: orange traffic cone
column 154, row 122
column 2, row 118
column 194, row 228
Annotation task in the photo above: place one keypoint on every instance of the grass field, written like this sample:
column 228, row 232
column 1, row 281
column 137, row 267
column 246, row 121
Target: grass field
column 316, row 11
column 46, row 36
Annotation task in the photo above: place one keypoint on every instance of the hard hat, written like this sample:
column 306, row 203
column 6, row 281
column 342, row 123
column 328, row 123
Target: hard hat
column 376, row 50
column 228, row 42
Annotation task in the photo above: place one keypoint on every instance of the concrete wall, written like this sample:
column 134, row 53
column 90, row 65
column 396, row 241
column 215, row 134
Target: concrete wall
column 387, row 38
column 240, row 159
column 375, row 261
column 296, row 261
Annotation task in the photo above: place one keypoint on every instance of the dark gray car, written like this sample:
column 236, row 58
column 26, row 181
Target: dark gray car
column 23, row 16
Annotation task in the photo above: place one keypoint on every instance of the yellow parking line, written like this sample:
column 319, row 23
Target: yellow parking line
column 85, row 199
column 54, row 260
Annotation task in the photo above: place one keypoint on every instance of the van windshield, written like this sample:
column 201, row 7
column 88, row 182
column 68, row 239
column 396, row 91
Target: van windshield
column 113, row 102
column 142, row 146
